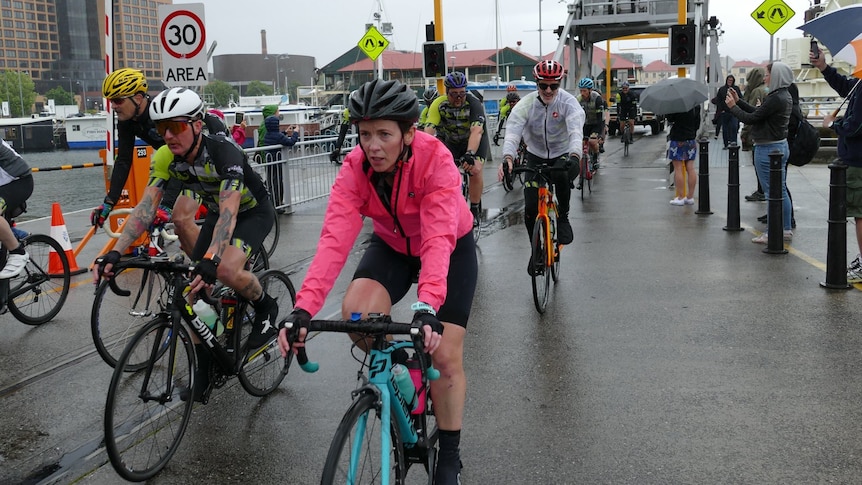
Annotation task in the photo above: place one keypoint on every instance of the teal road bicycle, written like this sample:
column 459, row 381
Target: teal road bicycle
column 381, row 435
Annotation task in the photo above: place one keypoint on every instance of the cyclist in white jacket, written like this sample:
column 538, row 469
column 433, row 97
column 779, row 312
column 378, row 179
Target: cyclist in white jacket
column 551, row 122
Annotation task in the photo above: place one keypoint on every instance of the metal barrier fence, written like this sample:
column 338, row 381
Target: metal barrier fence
column 298, row 174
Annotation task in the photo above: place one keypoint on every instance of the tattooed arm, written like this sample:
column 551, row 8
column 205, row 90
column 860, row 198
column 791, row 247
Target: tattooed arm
column 140, row 219
column 223, row 230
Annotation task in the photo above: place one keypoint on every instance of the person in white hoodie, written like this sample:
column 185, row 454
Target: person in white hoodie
column 551, row 122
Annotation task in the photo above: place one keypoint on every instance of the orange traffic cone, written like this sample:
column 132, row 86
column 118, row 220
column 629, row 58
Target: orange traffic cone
column 61, row 235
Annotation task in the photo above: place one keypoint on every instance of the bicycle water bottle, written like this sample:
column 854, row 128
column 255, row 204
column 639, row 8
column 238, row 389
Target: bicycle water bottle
column 209, row 316
column 405, row 385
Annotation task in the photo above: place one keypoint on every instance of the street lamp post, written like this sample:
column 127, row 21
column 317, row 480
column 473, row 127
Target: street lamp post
column 278, row 72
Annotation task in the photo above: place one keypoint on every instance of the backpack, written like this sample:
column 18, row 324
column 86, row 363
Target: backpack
column 805, row 144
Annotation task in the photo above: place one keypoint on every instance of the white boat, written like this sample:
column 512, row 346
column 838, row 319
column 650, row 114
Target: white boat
column 85, row 132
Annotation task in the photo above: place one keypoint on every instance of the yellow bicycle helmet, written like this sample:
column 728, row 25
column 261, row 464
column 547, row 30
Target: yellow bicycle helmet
column 124, row 82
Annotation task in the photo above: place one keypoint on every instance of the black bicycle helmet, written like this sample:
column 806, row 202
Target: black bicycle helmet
column 430, row 94
column 383, row 100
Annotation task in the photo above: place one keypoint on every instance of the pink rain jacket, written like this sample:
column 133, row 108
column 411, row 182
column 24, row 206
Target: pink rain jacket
column 429, row 214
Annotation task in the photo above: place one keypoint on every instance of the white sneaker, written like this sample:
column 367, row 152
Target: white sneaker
column 14, row 265
column 761, row 239
column 856, row 263
column 788, row 235
column 677, row 201
column 689, row 201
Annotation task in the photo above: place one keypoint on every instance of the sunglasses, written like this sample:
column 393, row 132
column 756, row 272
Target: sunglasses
column 458, row 95
column 176, row 127
column 553, row 87
column 119, row 101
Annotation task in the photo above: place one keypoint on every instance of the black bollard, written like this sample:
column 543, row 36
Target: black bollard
column 733, row 188
column 775, row 209
column 703, row 178
column 836, row 246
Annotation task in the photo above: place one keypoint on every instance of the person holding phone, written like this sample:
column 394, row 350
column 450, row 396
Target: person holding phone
column 848, row 128
column 275, row 171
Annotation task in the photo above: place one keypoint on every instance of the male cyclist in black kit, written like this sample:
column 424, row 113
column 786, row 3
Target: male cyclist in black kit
column 240, row 211
column 458, row 120
column 627, row 110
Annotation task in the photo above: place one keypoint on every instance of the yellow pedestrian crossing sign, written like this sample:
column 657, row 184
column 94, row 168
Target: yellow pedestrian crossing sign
column 373, row 43
column 772, row 15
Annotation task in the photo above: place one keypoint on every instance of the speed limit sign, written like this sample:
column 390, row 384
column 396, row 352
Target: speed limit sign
column 182, row 36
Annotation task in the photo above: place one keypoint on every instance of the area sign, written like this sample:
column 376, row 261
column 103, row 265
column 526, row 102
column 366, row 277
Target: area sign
column 772, row 15
column 182, row 36
column 373, row 43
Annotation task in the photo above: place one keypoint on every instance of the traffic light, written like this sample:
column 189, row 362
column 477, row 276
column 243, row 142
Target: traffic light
column 683, row 44
column 434, row 59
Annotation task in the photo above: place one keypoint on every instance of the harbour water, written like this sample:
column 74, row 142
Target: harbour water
column 75, row 189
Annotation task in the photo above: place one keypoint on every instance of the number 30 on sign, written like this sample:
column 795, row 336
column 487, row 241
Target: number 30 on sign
column 182, row 36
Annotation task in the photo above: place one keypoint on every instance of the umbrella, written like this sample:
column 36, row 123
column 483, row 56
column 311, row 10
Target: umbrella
column 841, row 32
column 676, row 95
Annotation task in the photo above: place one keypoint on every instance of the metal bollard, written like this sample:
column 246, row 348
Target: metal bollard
column 733, row 189
column 703, row 178
column 836, row 246
column 775, row 209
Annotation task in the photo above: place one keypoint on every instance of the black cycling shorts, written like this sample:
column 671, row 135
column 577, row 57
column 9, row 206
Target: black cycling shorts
column 14, row 194
column 626, row 114
column 397, row 272
column 252, row 227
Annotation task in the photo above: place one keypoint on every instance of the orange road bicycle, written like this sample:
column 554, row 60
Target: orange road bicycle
column 545, row 250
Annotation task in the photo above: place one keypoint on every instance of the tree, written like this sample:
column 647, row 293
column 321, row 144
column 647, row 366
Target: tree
column 221, row 92
column 61, row 96
column 257, row 88
column 14, row 85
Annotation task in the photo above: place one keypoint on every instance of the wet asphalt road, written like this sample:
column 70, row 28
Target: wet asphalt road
column 672, row 352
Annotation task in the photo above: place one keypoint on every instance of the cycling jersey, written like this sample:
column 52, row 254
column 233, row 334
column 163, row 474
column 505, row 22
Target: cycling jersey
column 12, row 166
column 626, row 105
column 141, row 127
column 594, row 108
column 530, row 119
column 220, row 165
column 424, row 216
column 453, row 124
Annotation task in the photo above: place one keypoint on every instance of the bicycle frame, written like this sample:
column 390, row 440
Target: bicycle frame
column 547, row 201
column 378, row 380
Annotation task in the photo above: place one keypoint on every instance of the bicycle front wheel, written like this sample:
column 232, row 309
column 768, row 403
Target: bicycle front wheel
column 145, row 414
column 555, row 262
column 38, row 293
column 114, row 318
column 355, row 454
column 265, row 368
column 541, row 266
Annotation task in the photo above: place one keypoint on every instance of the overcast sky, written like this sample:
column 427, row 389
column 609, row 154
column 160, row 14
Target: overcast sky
column 326, row 29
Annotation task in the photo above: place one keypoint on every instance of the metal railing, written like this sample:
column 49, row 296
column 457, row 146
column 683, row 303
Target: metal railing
column 298, row 174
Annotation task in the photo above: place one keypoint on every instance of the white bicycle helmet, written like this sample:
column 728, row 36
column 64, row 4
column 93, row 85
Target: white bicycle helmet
column 176, row 102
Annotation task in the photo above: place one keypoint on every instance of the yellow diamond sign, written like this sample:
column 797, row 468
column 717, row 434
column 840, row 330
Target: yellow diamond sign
column 373, row 43
column 772, row 15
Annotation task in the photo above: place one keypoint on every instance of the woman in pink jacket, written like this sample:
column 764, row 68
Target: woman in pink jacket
column 406, row 182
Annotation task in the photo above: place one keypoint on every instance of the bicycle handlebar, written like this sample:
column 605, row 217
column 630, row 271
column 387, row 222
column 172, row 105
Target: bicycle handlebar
column 375, row 326
column 162, row 264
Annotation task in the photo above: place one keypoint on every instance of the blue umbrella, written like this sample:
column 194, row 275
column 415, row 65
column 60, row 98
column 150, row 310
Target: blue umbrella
column 841, row 32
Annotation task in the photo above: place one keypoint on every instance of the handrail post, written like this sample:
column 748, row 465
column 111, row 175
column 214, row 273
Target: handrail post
column 836, row 245
column 703, row 178
column 733, row 189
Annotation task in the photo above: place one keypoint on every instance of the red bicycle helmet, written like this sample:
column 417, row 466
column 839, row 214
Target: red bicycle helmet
column 548, row 71
column 510, row 88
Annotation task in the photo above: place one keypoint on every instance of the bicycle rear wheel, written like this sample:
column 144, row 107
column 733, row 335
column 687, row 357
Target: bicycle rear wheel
column 114, row 319
column 271, row 240
column 541, row 266
column 145, row 416
column 355, row 455
column 38, row 293
column 264, row 369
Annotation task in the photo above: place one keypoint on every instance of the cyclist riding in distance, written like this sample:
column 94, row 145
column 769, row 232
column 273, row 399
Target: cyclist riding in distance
column 458, row 119
column 627, row 109
column 126, row 90
column 550, row 121
column 506, row 106
column 596, row 112
column 405, row 181
column 239, row 210
column 429, row 95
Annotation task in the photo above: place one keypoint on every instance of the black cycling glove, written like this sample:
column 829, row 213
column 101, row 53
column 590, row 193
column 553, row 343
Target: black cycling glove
column 111, row 257
column 207, row 269
column 422, row 318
